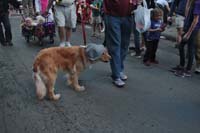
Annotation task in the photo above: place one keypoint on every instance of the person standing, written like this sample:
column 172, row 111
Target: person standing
column 152, row 37
column 191, row 38
column 96, row 16
column 65, row 17
column 5, row 37
column 118, row 22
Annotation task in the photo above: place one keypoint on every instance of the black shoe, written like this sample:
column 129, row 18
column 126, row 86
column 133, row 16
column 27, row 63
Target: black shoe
column 10, row 43
column 177, row 68
column 3, row 43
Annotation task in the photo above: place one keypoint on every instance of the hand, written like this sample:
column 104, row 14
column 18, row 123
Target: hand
column 160, row 29
column 185, row 38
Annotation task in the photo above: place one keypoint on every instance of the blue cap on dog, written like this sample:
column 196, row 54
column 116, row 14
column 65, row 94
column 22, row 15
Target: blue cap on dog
column 94, row 51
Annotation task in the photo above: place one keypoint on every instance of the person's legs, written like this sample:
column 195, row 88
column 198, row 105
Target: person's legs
column 113, row 43
column 68, row 35
column 153, row 52
column 197, row 40
column 125, row 38
column 60, row 21
column 136, row 39
column 191, row 50
column 146, row 58
column 182, row 54
column 179, row 24
column 2, row 38
column 7, row 26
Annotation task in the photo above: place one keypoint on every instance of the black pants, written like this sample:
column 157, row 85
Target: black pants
column 150, row 3
column 4, row 21
column 190, row 51
column 151, row 48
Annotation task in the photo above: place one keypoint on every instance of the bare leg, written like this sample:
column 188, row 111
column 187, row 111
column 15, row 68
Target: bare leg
column 61, row 32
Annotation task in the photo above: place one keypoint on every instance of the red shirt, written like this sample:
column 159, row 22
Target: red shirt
column 119, row 8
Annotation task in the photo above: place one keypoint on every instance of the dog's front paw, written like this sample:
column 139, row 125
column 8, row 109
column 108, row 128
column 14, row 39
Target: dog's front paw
column 56, row 97
column 80, row 88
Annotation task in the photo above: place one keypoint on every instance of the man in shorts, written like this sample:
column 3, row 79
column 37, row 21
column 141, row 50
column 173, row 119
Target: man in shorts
column 65, row 18
column 180, row 6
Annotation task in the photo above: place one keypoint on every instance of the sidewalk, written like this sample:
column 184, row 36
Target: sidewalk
column 170, row 33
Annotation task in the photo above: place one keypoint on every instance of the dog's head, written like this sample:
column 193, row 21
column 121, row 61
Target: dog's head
column 96, row 52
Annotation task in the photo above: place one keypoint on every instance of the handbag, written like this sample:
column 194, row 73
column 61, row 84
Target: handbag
column 142, row 17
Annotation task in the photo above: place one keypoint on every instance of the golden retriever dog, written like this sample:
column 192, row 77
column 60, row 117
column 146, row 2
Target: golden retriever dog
column 71, row 60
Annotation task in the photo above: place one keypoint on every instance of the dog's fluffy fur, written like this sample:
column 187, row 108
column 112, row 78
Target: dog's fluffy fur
column 69, row 59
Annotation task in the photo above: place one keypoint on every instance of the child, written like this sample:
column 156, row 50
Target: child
column 152, row 37
column 96, row 8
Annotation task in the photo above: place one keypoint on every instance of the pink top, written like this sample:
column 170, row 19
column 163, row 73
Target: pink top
column 44, row 4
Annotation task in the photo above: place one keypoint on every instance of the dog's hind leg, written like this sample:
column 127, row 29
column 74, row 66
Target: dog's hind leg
column 40, row 86
column 50, row 81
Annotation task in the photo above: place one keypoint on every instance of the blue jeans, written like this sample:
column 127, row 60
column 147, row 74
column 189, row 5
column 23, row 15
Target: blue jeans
column 118, row 31
column 136, row 37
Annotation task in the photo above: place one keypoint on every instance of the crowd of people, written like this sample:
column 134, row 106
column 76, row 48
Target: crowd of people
column 119, row 20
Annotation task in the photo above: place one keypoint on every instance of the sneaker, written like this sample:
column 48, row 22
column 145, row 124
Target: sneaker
column 180, row 73
column 174, row 69
column 118, row 82
column 62, row 44
column 68, row 44
column 197, row 70
column 147, row 63
column 123, row 76
column 188, row 73
column 138, row 56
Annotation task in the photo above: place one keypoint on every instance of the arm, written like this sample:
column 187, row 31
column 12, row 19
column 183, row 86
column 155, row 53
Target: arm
column 187, row 8
column 193, row 25
column 49, row 5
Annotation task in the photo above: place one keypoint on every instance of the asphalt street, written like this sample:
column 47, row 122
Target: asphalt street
column 152, row 101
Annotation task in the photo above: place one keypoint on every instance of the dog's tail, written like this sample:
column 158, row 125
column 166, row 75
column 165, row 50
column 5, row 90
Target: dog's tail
column 41, row 89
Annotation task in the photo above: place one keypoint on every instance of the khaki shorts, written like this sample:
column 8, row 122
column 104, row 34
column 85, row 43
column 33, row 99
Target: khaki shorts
column 179, row 21
column 65, row 16
column 96, row 20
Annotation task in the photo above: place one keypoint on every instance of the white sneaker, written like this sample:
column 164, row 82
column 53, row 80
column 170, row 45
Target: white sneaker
column 197, row 70
column 68, row 44
column 62, row 44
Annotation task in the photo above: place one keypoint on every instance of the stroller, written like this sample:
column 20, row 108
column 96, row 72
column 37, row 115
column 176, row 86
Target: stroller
column 39, row 28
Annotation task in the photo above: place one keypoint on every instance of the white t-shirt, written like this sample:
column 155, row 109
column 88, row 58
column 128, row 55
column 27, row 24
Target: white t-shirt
column 162, row 2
